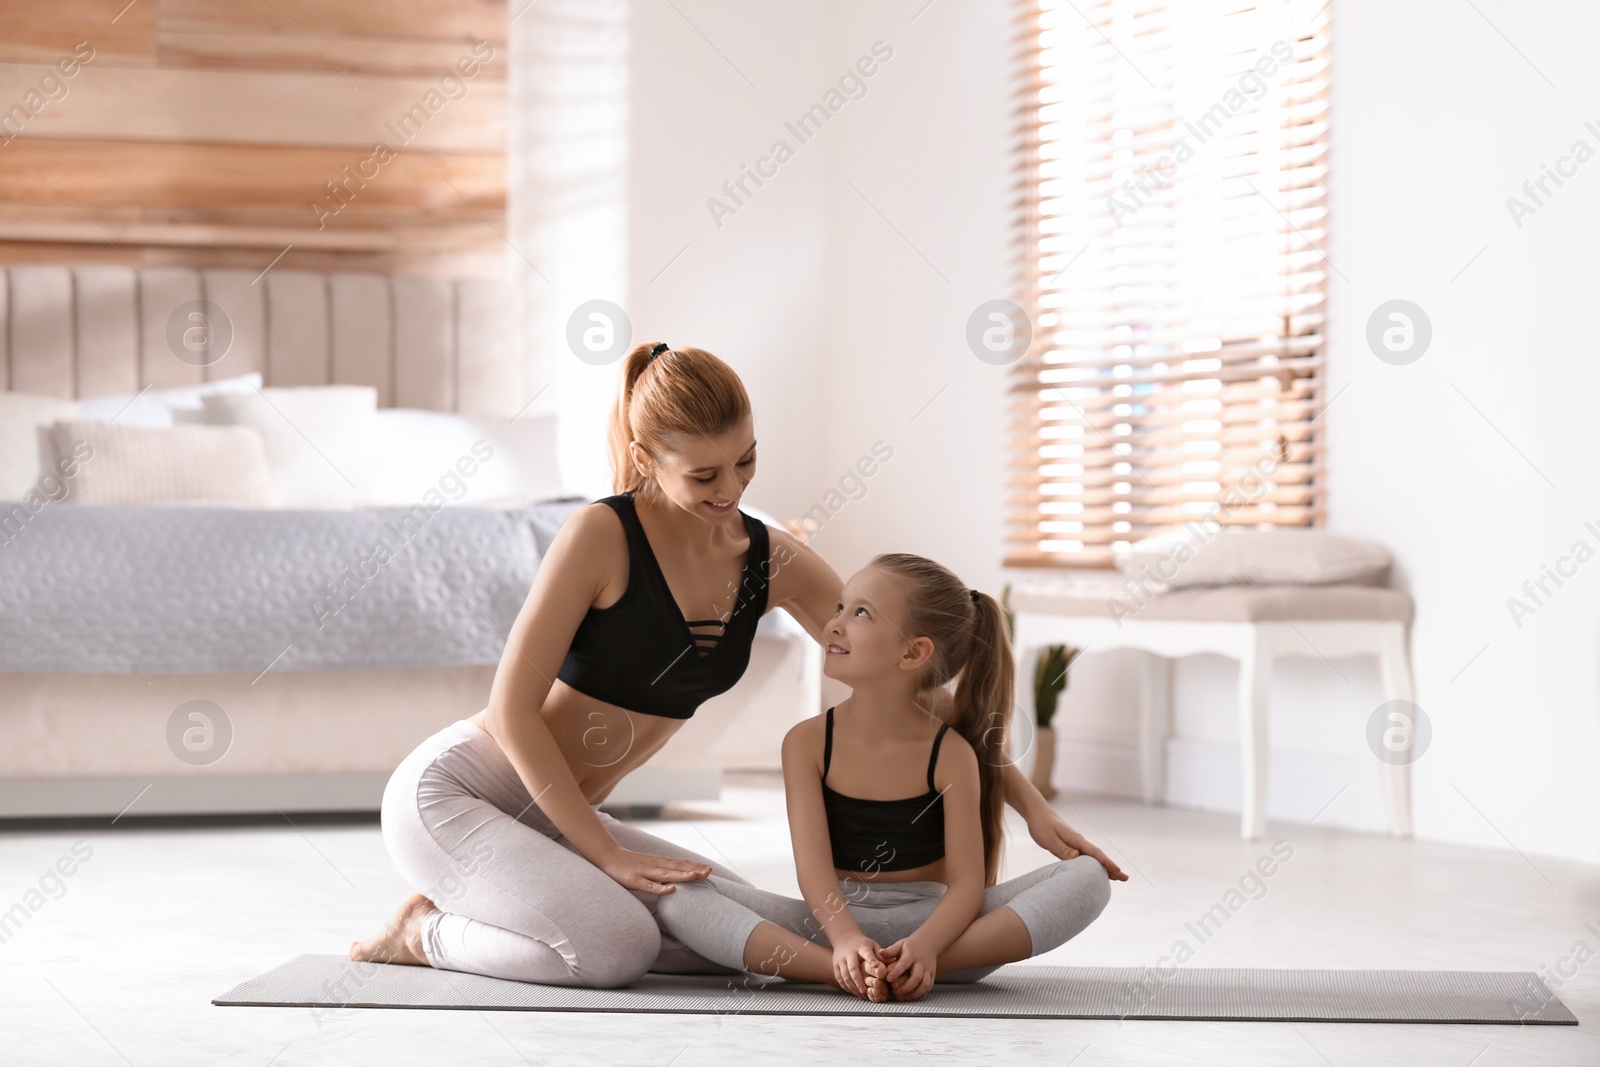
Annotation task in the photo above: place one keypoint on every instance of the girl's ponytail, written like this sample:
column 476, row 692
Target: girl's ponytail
column 983, row 716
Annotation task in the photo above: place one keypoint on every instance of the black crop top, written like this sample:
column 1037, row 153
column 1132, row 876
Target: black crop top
column 640, row 653
column 884, row 835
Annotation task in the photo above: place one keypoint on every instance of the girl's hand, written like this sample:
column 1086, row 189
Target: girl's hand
column 652, row 874
column 854, row 958
column 1053, row 835
column 911, row 968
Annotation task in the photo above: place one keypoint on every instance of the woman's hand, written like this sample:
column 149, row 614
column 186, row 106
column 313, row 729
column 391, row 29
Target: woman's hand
column 652, row 874
column 1053, row 834
column 911, row 968
column 854, row 958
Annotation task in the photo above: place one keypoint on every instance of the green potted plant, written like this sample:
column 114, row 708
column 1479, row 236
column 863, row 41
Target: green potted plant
column 1049, row 682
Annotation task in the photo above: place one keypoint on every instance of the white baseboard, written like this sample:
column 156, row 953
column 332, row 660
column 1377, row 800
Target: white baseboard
column 268, row 794
column 1205, row 776
column 208, row 794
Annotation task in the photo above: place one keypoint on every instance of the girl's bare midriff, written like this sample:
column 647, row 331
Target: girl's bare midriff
column 932, row 872
column 600, row 742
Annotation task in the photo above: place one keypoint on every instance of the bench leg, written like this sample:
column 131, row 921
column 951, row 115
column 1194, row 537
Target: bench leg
column 1394, row 667
column 1154, row 726
column 1255, row 679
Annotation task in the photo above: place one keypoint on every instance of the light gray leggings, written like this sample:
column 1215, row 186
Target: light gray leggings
column 515, row 899
column 715, row 916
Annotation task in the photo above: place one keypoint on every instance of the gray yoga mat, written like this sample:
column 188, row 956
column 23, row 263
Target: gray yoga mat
column 330, row 983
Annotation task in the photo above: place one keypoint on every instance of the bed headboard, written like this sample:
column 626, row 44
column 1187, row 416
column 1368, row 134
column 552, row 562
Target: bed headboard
column 437, row 343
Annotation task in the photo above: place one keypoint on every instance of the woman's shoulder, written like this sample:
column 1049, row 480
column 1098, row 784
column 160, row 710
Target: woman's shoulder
column 598, row 518
column 591, row 541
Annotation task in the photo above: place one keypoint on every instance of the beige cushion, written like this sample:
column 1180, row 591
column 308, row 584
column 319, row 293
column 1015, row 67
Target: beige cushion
column 319, row 439
column 1187, row 557
column 217, row 465
column 1227, row 603
column 26, row 446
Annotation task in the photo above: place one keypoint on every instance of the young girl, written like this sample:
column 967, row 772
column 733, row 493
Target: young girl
column 895, row 811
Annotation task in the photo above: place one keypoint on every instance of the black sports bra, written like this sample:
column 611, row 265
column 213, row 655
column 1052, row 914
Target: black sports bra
column 884, row 835
column 640, row 653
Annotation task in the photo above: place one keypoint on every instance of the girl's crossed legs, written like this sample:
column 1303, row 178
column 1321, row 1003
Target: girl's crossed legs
column 723, row 920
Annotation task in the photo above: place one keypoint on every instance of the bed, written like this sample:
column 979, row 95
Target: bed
column 196, row 659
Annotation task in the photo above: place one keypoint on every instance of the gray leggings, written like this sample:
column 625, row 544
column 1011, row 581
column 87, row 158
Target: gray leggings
column 515, row 899
column 716, row 916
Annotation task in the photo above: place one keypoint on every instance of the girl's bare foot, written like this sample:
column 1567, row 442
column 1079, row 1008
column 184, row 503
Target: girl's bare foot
column 876, row 973
column 401, row 940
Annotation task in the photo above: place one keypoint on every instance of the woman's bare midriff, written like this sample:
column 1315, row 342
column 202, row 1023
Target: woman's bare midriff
column 600, row 742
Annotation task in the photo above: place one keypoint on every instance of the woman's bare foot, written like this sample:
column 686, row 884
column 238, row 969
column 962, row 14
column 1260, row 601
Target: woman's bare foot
column 401, row 940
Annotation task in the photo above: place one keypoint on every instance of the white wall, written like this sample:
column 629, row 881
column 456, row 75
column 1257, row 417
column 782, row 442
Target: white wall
column 1475, row 463
column 841, row 292
column 713, row 84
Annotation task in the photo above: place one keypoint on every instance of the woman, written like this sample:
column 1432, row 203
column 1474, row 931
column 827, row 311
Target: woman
column 497, row 815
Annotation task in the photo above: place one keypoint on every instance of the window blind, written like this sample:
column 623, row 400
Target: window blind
column 1171, row 175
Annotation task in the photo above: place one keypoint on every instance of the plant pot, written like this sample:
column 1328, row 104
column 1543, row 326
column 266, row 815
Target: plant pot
column 1044, row 760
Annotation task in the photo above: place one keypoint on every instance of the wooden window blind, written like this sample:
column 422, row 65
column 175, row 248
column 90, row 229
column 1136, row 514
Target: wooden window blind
column 1172, row 168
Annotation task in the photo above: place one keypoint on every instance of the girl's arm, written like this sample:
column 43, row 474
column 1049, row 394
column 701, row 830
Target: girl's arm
column 813, row 857
column 568, row 580
column 913, row 957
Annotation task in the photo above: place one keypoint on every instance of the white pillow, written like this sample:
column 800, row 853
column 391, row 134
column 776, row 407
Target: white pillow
column 1185, row 557
column 155, row 407
column 26, row 446
column 215, row 465
column 318, row 438
column 436, row 457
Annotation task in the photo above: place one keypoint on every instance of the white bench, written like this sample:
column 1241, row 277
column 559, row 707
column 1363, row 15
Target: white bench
column 1253, row 624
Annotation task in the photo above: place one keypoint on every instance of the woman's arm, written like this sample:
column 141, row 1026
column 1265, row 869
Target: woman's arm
column 803, row 583
column 567, row 582
column 914, row 957
column 1045, row 825
column 813, row 856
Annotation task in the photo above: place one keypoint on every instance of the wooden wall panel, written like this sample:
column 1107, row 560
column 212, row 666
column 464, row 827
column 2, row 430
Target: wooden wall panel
column 247, row 195
column 265, row 107
column 420, row 19
column 201, row 132
column 46, row 32
column 290, row 51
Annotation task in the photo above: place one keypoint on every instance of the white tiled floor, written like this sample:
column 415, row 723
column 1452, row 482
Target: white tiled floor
column 120, row 968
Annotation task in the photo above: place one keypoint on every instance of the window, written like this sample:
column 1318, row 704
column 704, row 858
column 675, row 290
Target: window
column 1172, row 174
